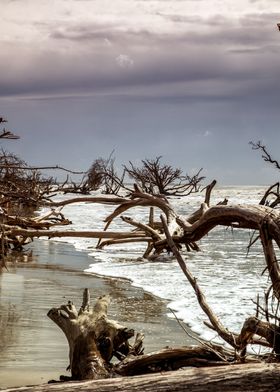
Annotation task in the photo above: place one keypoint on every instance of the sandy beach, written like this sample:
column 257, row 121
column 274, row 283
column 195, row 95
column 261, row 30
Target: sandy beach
column 33, row 349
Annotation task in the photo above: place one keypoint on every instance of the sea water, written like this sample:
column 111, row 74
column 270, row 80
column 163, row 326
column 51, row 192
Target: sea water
column 230, row 277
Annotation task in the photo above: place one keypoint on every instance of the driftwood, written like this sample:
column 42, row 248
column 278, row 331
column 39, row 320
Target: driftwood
column 174, row 231
column 94, row 339
column 185, row 231
column 236, row 378
column 252, row 326
column 10, row 223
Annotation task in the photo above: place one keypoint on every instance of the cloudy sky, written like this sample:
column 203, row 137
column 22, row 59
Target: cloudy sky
column 191, row 80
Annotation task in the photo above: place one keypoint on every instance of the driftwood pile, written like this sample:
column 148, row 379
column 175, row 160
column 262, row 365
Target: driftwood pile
column 94, row 339
column 170, row 234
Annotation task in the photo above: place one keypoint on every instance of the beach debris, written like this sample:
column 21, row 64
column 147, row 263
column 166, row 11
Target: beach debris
column 94, row 340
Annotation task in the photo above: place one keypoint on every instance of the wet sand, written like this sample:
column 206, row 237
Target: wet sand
column 33, row 349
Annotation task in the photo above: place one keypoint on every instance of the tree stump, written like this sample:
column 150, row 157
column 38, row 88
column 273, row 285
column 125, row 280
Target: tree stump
column 93, row 339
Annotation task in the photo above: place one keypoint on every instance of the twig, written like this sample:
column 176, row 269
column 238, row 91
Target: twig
column 203, row 343
column 56, row 167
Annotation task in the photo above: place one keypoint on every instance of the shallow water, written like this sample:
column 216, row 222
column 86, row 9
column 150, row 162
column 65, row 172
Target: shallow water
column 33, row 348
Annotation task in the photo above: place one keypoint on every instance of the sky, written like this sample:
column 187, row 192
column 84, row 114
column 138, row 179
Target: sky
column 193, row 81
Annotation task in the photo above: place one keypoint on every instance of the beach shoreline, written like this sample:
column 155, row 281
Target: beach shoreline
column 34, row 350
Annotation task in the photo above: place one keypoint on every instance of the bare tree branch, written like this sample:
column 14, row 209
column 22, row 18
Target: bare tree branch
column 265, row 154
column 8, row 135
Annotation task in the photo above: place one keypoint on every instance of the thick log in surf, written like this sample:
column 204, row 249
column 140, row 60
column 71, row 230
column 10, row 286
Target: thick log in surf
column 235, row 378
column 268, row 227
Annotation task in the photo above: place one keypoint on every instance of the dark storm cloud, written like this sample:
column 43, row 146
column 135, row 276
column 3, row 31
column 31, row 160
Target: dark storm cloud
column 230, row 52
column 53, row 74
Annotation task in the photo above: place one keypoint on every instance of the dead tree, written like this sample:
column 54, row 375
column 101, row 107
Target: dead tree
column 5, row 133
column 266, row 156
column 175, row 231
column 103, row 175
column 21, row 187
column 157, row 178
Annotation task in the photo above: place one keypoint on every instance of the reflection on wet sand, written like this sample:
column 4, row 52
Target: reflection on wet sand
column 33, row 349
column 9, row 322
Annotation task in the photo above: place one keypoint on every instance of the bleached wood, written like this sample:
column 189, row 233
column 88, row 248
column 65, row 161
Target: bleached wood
column 235, row 378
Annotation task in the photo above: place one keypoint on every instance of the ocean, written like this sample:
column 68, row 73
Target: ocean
column 230, row 277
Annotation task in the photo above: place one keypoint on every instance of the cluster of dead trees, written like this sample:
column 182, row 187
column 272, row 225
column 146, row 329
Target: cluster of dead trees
column 156, row 178
column 23, row 188
column 19, row 180
column 152, row 176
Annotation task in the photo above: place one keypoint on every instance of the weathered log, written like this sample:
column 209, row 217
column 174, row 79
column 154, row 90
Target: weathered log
column 235, row 378
column 92, row 337
column 252, row 325
column 170, row 359
column 82, row 234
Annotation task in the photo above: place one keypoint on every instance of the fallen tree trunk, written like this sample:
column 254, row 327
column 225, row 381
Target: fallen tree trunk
column 83, row 234
column 171, row 359
column 235, row 378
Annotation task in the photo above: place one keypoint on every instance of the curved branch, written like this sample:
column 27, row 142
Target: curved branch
column 248, row 217
column 90, row 199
